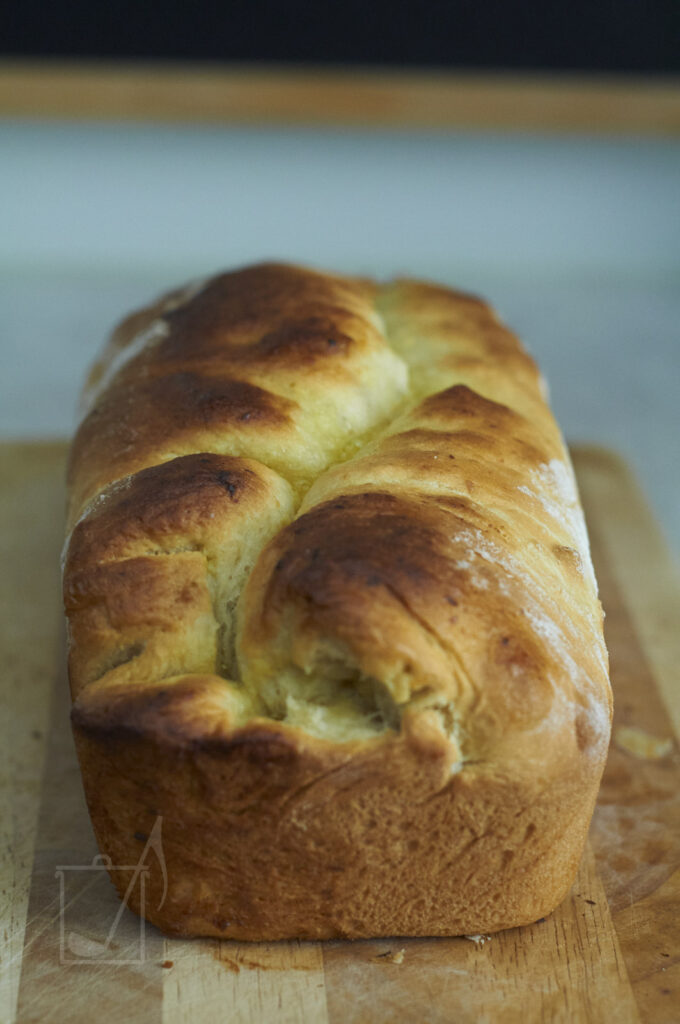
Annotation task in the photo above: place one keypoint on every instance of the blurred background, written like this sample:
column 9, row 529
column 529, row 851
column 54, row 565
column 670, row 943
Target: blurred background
column 530, row 153
column 604, row 35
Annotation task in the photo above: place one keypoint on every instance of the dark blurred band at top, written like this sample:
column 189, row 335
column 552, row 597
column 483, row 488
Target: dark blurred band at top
column 579, row 35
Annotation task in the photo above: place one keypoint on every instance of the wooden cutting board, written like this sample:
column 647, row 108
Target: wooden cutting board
column 610, row 952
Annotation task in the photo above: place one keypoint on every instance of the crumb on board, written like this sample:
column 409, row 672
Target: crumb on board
column 478, row 940
column 640, row 744
column 168, row 963
column 391, row 958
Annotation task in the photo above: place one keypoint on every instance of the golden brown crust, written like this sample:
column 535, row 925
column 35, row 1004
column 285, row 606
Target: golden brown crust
column 271, row 362
column 145, row 568
column 269, row 832
column 332, row 613
column 133, row 423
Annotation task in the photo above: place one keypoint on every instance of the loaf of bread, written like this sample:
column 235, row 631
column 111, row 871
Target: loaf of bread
column 334, row 631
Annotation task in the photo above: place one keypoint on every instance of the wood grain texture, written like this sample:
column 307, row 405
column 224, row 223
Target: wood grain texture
column 334, row 96
column 611, row 951
column 636, row 826
column 281, row 981
column 30, row 628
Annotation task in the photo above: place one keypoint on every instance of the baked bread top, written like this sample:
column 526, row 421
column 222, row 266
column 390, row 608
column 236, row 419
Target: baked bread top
column 338, row 512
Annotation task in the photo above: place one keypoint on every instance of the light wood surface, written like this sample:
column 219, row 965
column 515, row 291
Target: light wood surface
column 359, row 97
column 610, row 952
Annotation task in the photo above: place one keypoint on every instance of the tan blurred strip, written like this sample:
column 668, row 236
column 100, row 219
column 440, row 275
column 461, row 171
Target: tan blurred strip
column 356, row 97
